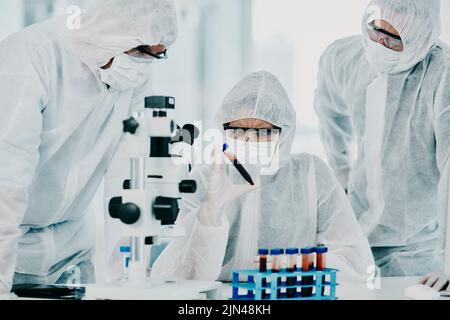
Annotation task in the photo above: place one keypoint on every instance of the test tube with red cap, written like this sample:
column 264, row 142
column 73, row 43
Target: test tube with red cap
column 307, row 265
column 291, row 255
column 321, row 261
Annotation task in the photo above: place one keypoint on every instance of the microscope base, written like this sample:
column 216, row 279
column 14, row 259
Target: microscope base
column 180, row 290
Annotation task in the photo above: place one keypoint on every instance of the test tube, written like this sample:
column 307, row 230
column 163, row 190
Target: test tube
column 276, row 260
column 276, row 256
column 291, row 255
column 262, row 262
column 262, row 259
column 307, row 265
column 125, row 252
column 321, row 261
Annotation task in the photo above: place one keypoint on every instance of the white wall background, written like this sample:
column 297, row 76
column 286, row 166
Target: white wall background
column 220, row 41
column 12, row 16
column 446, row 20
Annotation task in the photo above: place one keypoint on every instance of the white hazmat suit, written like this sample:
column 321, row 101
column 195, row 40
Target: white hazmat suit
column 299, row 205
column 397, row 110
column 59, row 129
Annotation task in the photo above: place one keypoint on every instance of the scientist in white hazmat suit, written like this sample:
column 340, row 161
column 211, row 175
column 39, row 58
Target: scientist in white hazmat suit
column 295, row 204
column 388, row 91
column 63, row 96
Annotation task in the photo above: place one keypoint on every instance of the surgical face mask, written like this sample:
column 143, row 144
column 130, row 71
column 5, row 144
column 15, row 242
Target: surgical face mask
column 254, row 153
column 382, row 59
column 126, row 72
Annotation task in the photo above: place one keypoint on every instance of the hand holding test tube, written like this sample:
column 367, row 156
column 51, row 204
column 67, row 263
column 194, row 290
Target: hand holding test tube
column 239, row 167
column 220, row 190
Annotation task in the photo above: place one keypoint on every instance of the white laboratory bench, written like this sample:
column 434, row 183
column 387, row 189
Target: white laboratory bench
column 390, row 289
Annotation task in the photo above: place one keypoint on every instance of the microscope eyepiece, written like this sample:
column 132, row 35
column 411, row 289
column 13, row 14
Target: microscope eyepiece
column 160, row 102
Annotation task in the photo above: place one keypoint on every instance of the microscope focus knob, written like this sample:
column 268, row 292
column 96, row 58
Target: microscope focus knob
column 166, row 210
column 126, row 184
column 188, row 186
column 114, row 207
column 128, row 213
column 130, row 126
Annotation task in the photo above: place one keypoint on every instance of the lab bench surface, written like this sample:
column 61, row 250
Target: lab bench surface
column 388, row 289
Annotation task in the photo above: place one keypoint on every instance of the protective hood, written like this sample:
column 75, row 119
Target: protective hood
column 112, row 27
column 418, row 23
column 261, row 96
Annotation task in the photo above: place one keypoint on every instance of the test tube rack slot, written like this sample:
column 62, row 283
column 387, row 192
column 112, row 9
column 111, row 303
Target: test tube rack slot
column 321, row 285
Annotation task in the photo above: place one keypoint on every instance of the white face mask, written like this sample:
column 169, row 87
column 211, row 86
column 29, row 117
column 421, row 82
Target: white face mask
column 382, row 59
column 126, row 72
column 254, row 153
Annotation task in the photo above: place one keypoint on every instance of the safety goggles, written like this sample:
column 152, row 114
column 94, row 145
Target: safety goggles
column 390, row 40
column 251, row 134
column 144, row 52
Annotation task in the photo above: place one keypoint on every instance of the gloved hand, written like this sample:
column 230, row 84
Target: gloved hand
column 436, row 280
column 221, row 191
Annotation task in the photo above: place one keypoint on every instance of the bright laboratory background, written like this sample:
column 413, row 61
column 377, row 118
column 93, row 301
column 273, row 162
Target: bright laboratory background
column 222, row 40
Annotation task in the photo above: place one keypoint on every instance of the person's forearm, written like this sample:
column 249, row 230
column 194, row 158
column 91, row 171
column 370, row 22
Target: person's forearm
column 24, row 98
column 444, row 217
column 209, row 215
column 337, row 144
column 336, row 129
column 13, row 201
column 349, row 250
column 198, row 255
column 209, row 260
column 352, row 267
column 442, row 133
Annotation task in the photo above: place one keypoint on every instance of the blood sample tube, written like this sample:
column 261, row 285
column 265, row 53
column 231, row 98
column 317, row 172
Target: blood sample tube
column 307, row 265
column 321, row 261
column 262, row 263
column 262, row 259
column 276, row 257
column 291, row 255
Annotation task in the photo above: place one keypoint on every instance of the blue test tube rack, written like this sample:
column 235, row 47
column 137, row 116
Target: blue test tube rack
column 275, row 288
